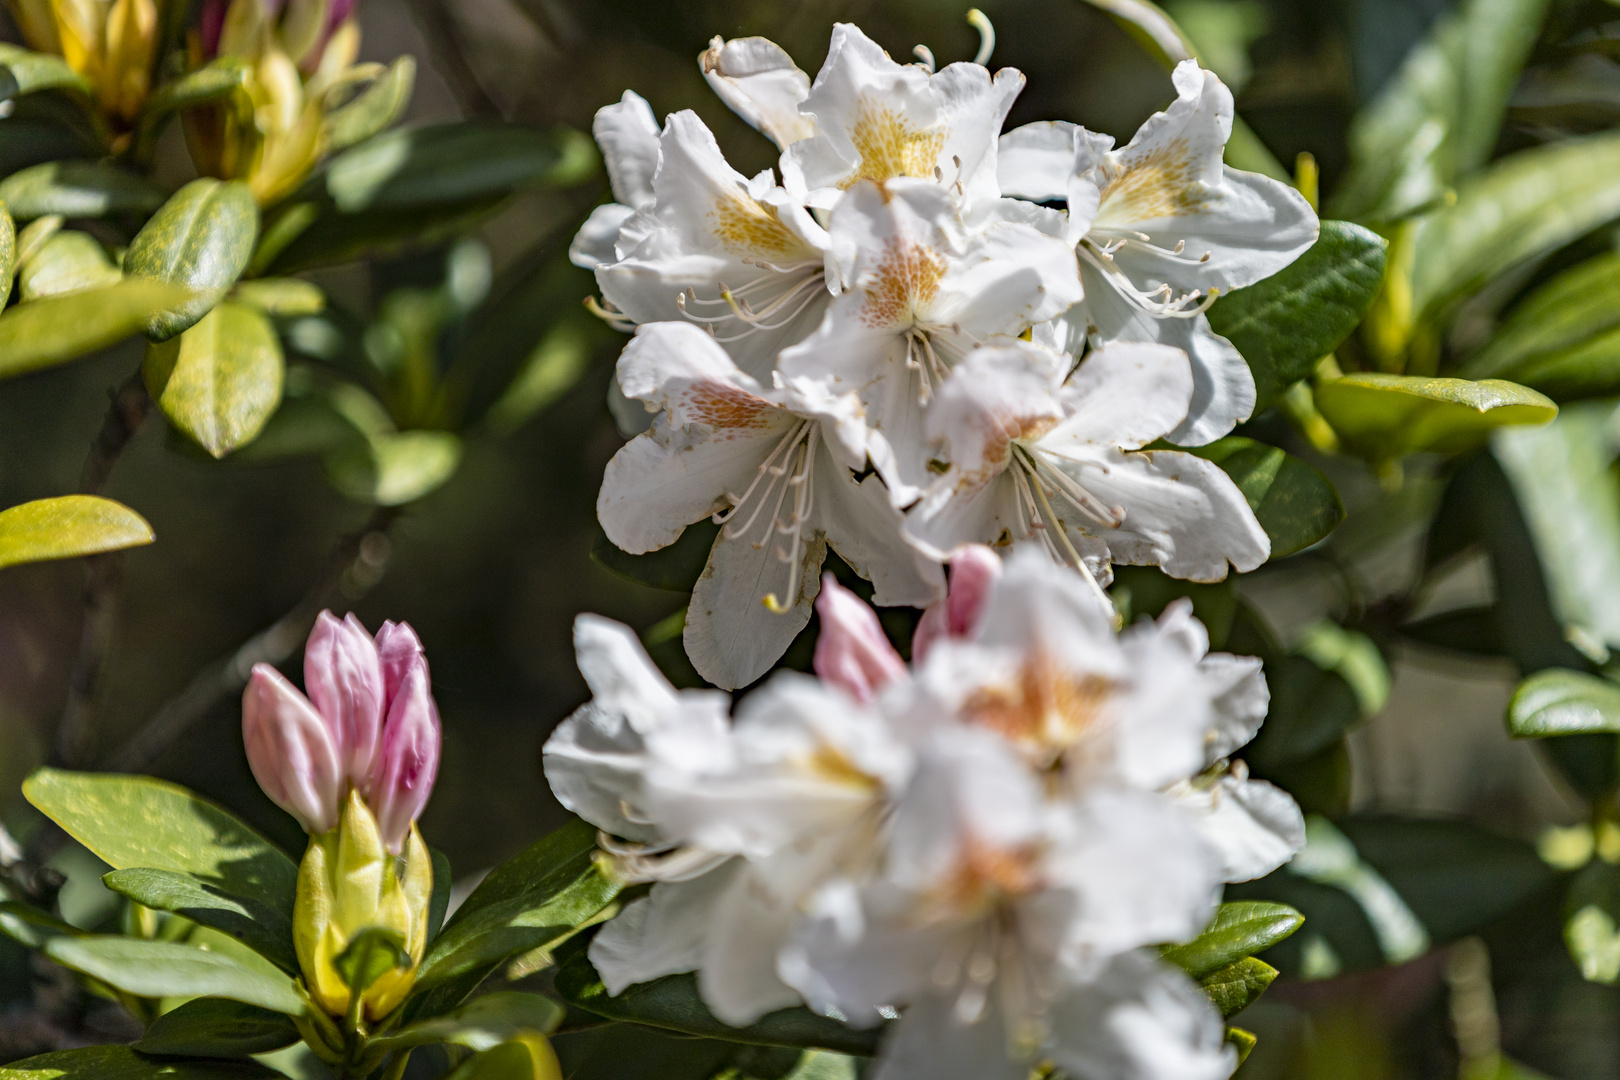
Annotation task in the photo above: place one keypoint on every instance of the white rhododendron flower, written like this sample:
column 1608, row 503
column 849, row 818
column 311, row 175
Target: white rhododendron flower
column 988, row 843
column 1161, row 226
column 768, row 467
column 760, row 82
column 1035, row 457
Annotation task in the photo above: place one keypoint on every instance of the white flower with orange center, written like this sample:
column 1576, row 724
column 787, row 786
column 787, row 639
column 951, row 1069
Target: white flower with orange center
column 768, row 466
column 1161, row 228
column 1057, row 463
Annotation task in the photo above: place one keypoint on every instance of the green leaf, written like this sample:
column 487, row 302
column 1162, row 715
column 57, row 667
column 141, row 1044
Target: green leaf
column 217, row 1028
column 1384, row 417
column 78, row 189
column 484, row 1022
column 138, row 821
column 1239, row 929
column 31, row 71
column 1563, row 702
column 1524, row 205
column 220, row 381
column 378, row 106
column 612, row 1051
column 281, row 296
column 31, row 927
column 672, row 1003
column 68, row 526
column 1286, row 323
column 263, row 929
column 1564, row 339
column 62, row 328
column 1592, row 907
column 439, row 901
column 1242, row 1041
column 394, row 468
column 1238, row 985
column 551, row 370
column 8, row 254
column 538, row 897
column 307, row 235
column 123, row 1063
column 67, row 262
column 214, row 82
column 370, row 954
column 202, row 239
column 156, row 969
column 523, row 1058
column 1294, row 502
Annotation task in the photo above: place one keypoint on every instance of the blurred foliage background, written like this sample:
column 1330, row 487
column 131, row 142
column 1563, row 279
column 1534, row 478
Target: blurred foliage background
column 492, row 566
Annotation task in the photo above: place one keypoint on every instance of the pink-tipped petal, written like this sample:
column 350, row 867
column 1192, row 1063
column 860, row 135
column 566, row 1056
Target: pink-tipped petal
column 852, row 651
column 211, row 25
column 398, row 648
column 409, row 761
column 974, row 570
column 343, row 677
column 290, row 750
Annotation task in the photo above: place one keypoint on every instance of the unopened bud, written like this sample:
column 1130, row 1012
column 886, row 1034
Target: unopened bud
column 290, row 750
column 974, row 570
column 852, row 651
column 343, row 677
column 403, row 775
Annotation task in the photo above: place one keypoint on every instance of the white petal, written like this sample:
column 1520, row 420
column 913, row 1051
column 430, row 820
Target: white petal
column 665, row 361
column 627, row 132
column 1035, row 161
column 1125, row 394
column 866, row 530
column 930, row 1043
column 752, row 922
column 663, row 933
column 1010, row 277
column 1237, row 686
column 623, row 679
column 1038, row 605
column 1140, row 1020
column 1162, row 714
column 759, row 82
column 996, row 395
column 731, row 637
column 948, row 516
column 1253, row 826
column 594, row 763
column 594, row 244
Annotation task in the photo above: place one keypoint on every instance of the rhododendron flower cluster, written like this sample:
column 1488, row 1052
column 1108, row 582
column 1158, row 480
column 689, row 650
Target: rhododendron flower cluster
column 985, row 843
column 898, row 342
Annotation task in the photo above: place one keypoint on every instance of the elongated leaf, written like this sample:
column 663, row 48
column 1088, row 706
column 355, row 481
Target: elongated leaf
column 1561, row 702
column 1286, row 323
column 1294, row 503
column 394, row 468
column 67, row 262
column 201, row 239
column 281, row 296
column 8, row 253
column 486, row 1021
column 67, row 526
column 123, row 1063
column 317, row 236
column 523, row 1058
column 63, row 328
column 1525, row 205
column 1592, row 925
column 378, row 106
column 1389, row 416
column 211, row 83
column 30, row 926
column 1240, row 928
column 220, row 381
column 137, row 821
column 31, row 72
column 539, row 896
column 263, row 929
column 1237, row 986
column 216, row 1028
column 1564, row 340
column 673, row 1003
column 163, row 969
column 78, row 189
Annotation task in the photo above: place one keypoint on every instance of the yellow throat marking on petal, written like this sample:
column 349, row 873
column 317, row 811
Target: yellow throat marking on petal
column 904, row 281
column 890, row 146
column 1159, row 184
column 1043, row 709
column 747, row 226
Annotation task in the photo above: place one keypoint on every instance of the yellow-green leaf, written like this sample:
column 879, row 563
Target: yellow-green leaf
column 281, row 296
column 1563, row 340
column 378, row 106
column 8, row 253
column 78, row 189
column 220, row 381
column 202, row 239
column 67, row 526
column 66, row 263
column 32, row 71
column 1384, row 417
column 392, row 469
column 62, row 328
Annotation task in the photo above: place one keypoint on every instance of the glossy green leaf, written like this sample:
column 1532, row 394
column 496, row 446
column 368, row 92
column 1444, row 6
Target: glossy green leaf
column 484, row 1022
column 124, row 1063
column 1384, row 417
column 370, row 954
column 219, row 381
column 1294, row 502
column 138, row 821
column 377, row 107
column 68, row 526
column 1562, row 702
column 1242, row 1041
column 1239, row 929
column 1286, row 323
column 523, row 1058
column 67, row 262
column 78, row 189
column 201, row 239
column 30, row 926
column 213, row 82
column 281, row 296
column 539, row 896
column 439, row 900
column 1238, row 985
column 1524, row 205
column 158, row 969
column 1564, row 340
column 394, row 468
column 31, row 71
column 261, row 928
column 8, row 254
column 217, row 1028
column 673, row 1003
column 308, row 236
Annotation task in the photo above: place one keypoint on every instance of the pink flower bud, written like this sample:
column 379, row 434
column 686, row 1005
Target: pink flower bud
column 408, row 763
column 398, row 648
column 974, row 570
column 852, row 651
column 290, row 750
column 211, row 25
column 343, row 678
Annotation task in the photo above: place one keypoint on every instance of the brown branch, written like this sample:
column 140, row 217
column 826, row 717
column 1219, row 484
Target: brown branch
column 355, row 566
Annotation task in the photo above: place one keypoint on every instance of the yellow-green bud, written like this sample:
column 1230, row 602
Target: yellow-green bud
column 347, row 883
